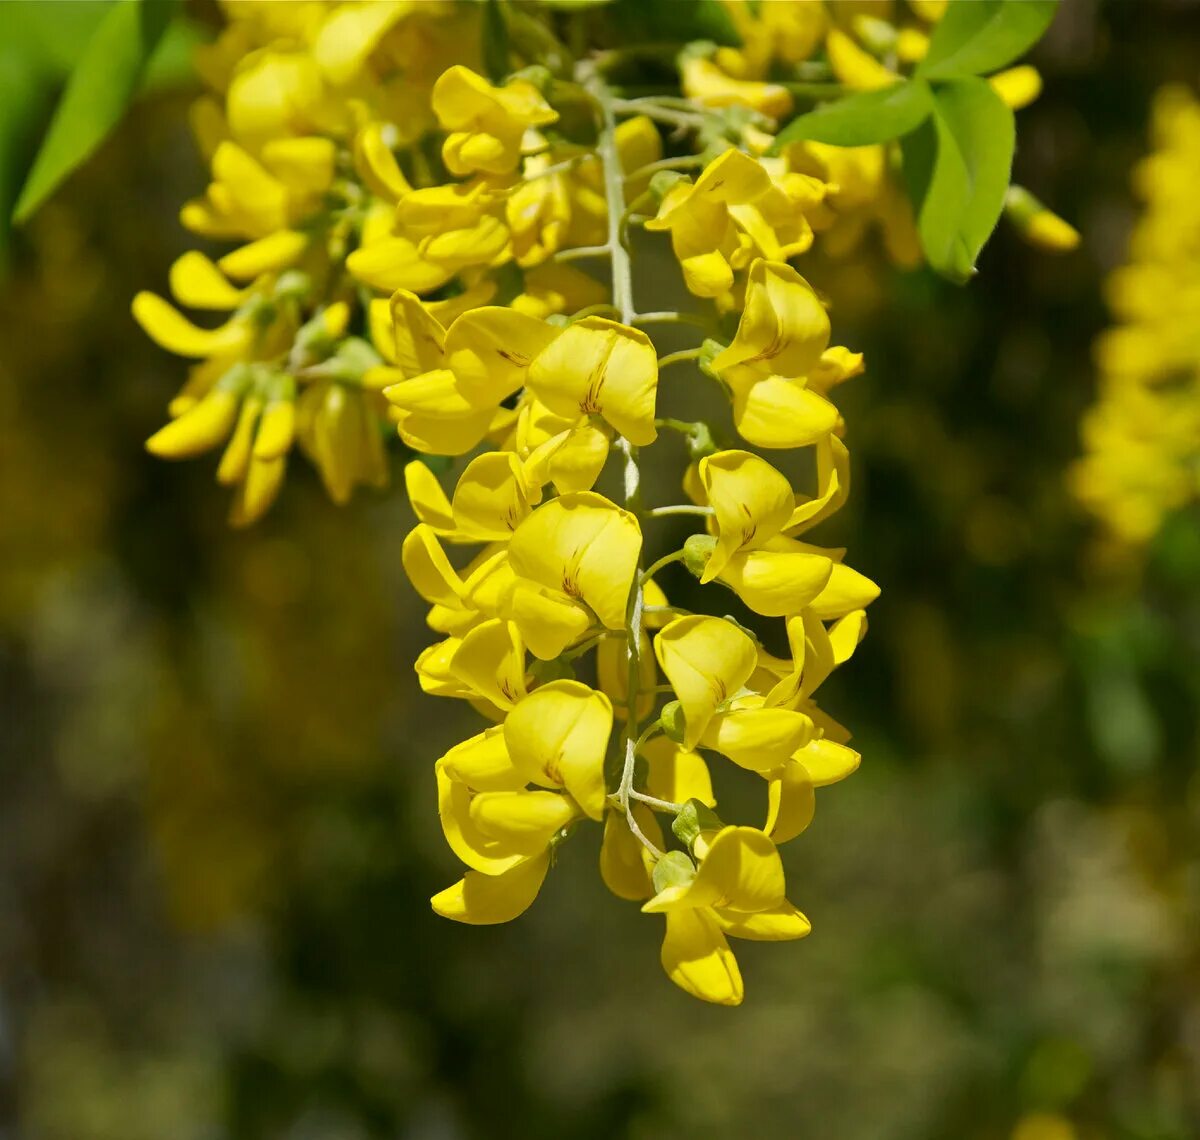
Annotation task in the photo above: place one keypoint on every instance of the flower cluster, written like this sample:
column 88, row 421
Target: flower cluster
column 414, row 190
column 602, row 700
column 1142, row 436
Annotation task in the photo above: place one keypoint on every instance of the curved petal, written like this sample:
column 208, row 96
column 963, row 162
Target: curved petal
column 484, row 900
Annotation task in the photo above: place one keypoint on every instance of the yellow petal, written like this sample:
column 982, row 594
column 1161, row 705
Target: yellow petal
column 483, row 900
column 434, row 415
column 395, row 263
column 707, row 660
column 742, row 871
column 845, row 635
column 845, row 591
column 419, row 340
column 429, row 502
column 489, row 350
column 759, row 739
column 305, row 165
column 258, row 490
column 783, row 328
column 752, row 501
column 267, row 255
column 199, row 429
column 477, row 848
column 599, row 367
column 429, row 569
column 777, row 583
column 549, row 621
column 491, row 661
column 612, row 675
column 625, row 864
column 790, row 802
column 855, row 67
column 236, row 460
column 582, row 545
column 525, row 821
column 492, row 497
column 1018, row 86
column 171, row 330
column 557, row 737
column 199, row 284
column 676, row 775
column 698, row 960
column 482, row 763
column 779, row 924
column 827, row 762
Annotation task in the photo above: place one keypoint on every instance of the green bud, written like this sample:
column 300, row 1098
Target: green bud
column 709, row 351
column 877, row 36
column 694, row 819
column 661, row 182
column 293, row 283
column 674, row 869
column 672, row 721
column 354, row 356
column 535, row 74
column 697, row 550
column 700, row 441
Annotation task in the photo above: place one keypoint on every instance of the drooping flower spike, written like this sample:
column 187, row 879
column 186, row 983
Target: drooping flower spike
column 447, row 263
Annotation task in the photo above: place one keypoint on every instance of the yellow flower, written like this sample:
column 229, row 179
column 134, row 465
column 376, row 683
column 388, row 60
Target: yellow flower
column 484, row 900
column 557, row 737
column 707, row 660
column 447, row 384
column 486, row 122
column 705, row 83
column 781, row 336
column 598, row 367
column 737, row 890
column 580, row 550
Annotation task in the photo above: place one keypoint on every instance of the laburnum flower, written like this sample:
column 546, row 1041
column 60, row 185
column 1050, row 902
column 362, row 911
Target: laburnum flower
column 733, row 213
column 597, row 367
column 574, row 561
column 781, row 345
column 737, row 890
column 447, row 384
column 554, row 738
column 486, row 123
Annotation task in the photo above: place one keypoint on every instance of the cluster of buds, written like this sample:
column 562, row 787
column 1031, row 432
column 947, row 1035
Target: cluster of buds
column 1142, row 436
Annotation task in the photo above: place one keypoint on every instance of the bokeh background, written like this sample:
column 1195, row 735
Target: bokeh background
column 217, row 824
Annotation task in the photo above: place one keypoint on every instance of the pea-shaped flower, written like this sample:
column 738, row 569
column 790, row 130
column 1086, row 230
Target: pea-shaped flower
column 782, row 334
column 486, row 123
column 601, row 368
column 739, row 890
column 577, row 554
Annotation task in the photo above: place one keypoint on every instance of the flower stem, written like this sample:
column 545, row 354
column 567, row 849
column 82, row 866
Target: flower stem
column 678, row 509
column 678, row 357
column 665, row 560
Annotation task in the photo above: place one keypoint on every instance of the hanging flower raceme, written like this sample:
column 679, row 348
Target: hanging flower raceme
column 432, row 260
column 1142, row 436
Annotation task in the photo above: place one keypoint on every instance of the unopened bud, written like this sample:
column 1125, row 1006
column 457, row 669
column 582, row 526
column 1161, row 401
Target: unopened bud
column 672, row 720
column 674, row 869
column 697, row 550
column 1038, row 225
column 695, row 819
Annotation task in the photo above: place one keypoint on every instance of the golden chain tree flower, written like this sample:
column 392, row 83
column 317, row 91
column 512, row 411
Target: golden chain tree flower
column 412, row 232
column 1142, row 436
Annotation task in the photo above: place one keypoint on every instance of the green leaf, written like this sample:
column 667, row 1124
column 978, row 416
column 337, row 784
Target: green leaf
column 97, row 93
column 674, row 21
column 958, row 167
column 976, row 37
column 864, row 118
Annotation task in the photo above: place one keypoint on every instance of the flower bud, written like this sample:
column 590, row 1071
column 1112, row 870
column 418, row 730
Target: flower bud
column 695, row 819
column 674, row 869
column 672, row 720
column 697, row 550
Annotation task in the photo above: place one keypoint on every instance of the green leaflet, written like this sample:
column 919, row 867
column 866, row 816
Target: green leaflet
column 979, row 36
column 863, row 119
column 957, row 167
column 98, row 91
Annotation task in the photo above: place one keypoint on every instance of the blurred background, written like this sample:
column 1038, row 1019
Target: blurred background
column 217, row 827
